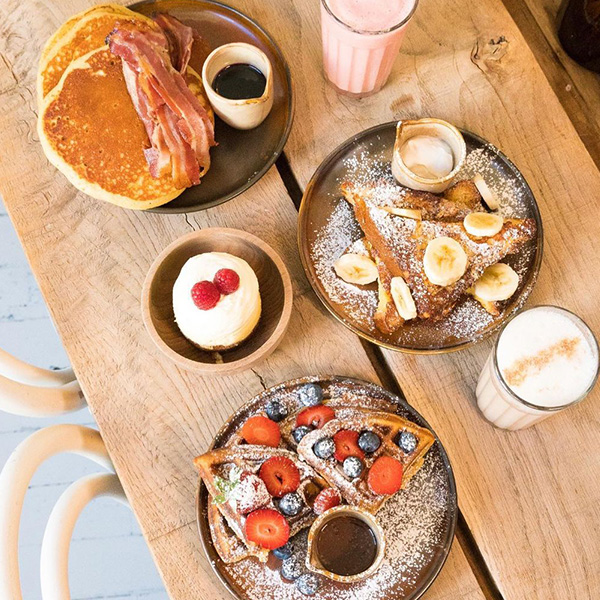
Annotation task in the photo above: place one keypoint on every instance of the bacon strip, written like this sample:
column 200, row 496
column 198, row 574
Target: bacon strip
column 178, row 127
column 180, row 38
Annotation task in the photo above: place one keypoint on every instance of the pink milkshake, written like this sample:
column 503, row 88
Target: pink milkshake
column 361, row 39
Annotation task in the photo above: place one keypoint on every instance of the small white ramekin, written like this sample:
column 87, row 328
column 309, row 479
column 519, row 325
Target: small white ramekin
column 241, row 114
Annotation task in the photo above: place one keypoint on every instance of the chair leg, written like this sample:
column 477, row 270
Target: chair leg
column 14, row 481
column 54, row 566
column 13, row 368
column 34, row 401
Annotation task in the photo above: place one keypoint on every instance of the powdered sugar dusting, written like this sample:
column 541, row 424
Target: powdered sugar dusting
column 417, row 521
column 368, row 164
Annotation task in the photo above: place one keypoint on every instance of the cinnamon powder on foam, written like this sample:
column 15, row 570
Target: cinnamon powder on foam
column 524, row 367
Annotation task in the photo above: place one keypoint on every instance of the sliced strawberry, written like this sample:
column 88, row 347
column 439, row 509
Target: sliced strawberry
column 385, row 476
column 281, row 475
column 315, row 416
column 267, row 528
column 261, row 431
column 346, row 444
column 326, row 499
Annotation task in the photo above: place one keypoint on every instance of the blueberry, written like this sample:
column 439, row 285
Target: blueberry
column 368, row 442
column 310, row 394
column 352, row 466
column 300, row 432
column 276, row 411
column 290, row 504
column 291, row 568
column 407, row 441
column 324, row 448
column 284, row 551
column 308, row 584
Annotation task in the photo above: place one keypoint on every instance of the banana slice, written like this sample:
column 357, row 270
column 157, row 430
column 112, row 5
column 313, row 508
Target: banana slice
column 498, row 282
column 482, row 224
column 356, row 268
column 445, row 262
column 488, row 196
column 409, row 213
column 403, row 299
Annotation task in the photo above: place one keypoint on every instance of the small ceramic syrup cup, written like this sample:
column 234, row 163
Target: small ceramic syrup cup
column 434, row 128
column 313, row 562
column 241, row 114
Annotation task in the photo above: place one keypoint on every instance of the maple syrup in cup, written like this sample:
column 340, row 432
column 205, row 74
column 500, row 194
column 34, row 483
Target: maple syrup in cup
column 544, row 360
column 361, row 40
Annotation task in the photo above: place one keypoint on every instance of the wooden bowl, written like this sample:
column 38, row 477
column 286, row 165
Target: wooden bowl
column 275, row 290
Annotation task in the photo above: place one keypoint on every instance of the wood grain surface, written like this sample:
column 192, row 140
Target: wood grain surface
column 90, row 260
column 530, row 498
column 577, row 88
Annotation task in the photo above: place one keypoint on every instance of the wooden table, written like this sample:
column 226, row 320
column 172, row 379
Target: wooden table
column 530, row 501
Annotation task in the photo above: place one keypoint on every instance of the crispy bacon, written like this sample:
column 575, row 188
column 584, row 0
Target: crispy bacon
column 180, row 38
column 178, row 127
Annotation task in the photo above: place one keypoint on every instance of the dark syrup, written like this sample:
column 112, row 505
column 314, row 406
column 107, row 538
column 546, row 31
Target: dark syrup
column 239, row 82
column 346, row 546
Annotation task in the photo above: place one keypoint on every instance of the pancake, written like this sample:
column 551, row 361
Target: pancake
column 90, row 131
column 81, row 34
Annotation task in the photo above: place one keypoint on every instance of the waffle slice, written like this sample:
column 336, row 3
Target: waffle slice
column 388, row 427
column 400, row 243
column 339, row 404
column 225, row 465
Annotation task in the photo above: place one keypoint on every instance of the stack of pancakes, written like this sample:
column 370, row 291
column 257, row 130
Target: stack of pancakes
column 87, row 124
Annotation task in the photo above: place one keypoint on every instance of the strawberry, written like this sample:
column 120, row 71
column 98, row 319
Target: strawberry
column 326, row 499
column 281, row 475
column 261, row 431
column 227, row 281
column 346, row 444
column 267, row 528
column 315, row 416
column 250, row 493
column 385, row 476
column 205, row 295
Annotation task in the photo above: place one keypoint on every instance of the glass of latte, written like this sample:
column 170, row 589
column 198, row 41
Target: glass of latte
column 545, row 359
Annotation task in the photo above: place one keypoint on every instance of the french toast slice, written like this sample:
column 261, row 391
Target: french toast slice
column 219, row 469
column 401, row 244
column 398, row 244
column 456, row 203
column 387, row 426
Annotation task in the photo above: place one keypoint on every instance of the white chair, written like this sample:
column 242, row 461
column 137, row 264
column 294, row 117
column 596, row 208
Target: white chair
column 26, row 390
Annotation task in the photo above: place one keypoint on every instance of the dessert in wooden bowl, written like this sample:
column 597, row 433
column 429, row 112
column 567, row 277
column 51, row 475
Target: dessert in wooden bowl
column 233, row 316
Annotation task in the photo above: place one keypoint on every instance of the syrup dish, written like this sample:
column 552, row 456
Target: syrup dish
column 306, row 451
column 217, row 301
column 411, row 270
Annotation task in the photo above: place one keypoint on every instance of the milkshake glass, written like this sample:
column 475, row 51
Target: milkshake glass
column 544, row 360
column 361, row 39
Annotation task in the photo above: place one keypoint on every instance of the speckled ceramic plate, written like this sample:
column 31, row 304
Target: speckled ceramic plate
column 327, row 227
column 242, row 157
column 418, row 522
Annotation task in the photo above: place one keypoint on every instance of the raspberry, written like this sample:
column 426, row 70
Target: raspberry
column 205, row 295
column 227, row 281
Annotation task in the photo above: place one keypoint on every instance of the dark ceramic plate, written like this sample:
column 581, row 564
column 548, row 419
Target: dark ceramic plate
column 327, row 227
column 242, row 157
column 419, row 521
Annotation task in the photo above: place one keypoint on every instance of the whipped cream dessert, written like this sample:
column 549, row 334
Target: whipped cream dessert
column 216, row 300
column 427, row 156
